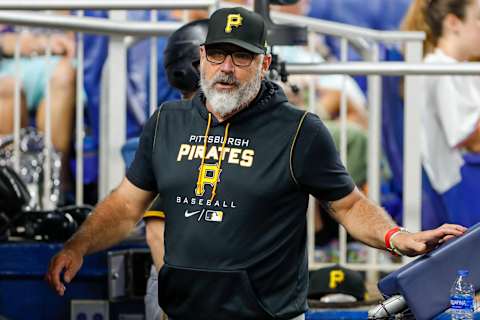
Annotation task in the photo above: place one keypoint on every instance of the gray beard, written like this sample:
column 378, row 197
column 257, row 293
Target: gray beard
column 228, row 102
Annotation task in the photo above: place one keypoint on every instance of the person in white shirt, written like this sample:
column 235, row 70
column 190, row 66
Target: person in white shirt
column 450, row 121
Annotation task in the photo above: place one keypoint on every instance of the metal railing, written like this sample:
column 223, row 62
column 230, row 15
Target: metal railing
column 113, row 134
column 105, row 4
column 89, row 25
column 351, row 33
column 386, row 69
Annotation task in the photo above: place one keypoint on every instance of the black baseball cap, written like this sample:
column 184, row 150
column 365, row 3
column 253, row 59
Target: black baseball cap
column 336, row 279
column 238, row 26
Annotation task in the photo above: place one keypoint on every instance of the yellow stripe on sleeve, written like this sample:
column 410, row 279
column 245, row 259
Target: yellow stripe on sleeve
column 154, row 214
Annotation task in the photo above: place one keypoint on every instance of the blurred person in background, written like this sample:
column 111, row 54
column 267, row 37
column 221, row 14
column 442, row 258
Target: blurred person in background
column 450, row 128
column 35, row 71
column 329, row 90
column 328, row 87
column 450, row 121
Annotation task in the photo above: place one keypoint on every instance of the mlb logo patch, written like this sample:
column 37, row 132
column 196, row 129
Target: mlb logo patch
column 214, row 216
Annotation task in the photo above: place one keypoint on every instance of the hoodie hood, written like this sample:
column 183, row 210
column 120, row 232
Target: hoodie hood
column 268, row 97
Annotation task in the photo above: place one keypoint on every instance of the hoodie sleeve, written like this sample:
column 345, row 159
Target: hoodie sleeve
column 316, row 163
column 140, row 172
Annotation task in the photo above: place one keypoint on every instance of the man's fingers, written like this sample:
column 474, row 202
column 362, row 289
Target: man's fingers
column 58, row 264
column 455, row 226
column 68, row 276
column 446, row 238
column 66, row 261
column 440, row 233
column 71, row 271
column 60, row 289
column 425, row 241
column 450, row 230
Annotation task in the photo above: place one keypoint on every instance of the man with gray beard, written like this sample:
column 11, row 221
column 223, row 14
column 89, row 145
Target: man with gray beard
column 235, row 232
column 228, row 102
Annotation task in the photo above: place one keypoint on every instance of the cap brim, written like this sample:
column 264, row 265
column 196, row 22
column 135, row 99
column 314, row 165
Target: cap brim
column 240, row 43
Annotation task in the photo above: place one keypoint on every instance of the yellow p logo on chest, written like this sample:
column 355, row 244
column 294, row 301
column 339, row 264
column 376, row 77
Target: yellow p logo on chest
column 233, row 20
column 209, row 174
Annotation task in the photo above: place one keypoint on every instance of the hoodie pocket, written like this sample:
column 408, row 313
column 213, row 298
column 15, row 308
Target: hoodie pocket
column 185, row 294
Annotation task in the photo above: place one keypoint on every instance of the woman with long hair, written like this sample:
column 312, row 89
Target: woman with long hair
column 450, row 121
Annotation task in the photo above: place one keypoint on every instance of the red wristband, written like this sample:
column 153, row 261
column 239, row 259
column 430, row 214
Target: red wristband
column 388, row 235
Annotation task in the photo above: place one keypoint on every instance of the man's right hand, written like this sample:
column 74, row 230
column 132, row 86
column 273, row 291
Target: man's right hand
column 67, row 260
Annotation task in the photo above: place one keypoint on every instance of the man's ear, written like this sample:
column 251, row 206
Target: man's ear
column 267, row 60
column 201, row 52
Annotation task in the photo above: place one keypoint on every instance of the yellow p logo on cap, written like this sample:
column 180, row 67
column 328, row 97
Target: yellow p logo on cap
column 233, row 20
column 336, row 277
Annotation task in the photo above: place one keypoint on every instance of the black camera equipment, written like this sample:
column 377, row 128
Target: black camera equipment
column 281, row 35
column 50, row 226
column 19, row 220
column 14, row 196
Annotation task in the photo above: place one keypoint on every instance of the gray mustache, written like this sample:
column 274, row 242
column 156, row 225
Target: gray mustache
column 226, row 78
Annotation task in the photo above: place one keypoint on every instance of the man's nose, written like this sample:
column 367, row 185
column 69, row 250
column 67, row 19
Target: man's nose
column 227, row 65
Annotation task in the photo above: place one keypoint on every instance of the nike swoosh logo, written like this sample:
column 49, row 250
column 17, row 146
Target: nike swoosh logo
column 189, row 214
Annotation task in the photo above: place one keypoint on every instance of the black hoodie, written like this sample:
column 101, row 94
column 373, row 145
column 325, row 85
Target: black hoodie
column 235, row 233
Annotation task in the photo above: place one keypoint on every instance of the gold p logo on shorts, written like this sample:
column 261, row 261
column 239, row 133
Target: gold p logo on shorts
column 233, row 20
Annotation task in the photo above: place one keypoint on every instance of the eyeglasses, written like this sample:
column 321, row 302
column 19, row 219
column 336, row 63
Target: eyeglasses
column 239, row 58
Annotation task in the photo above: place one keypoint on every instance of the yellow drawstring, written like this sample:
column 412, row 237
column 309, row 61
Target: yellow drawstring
column 204, row 151
column 219, row 166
